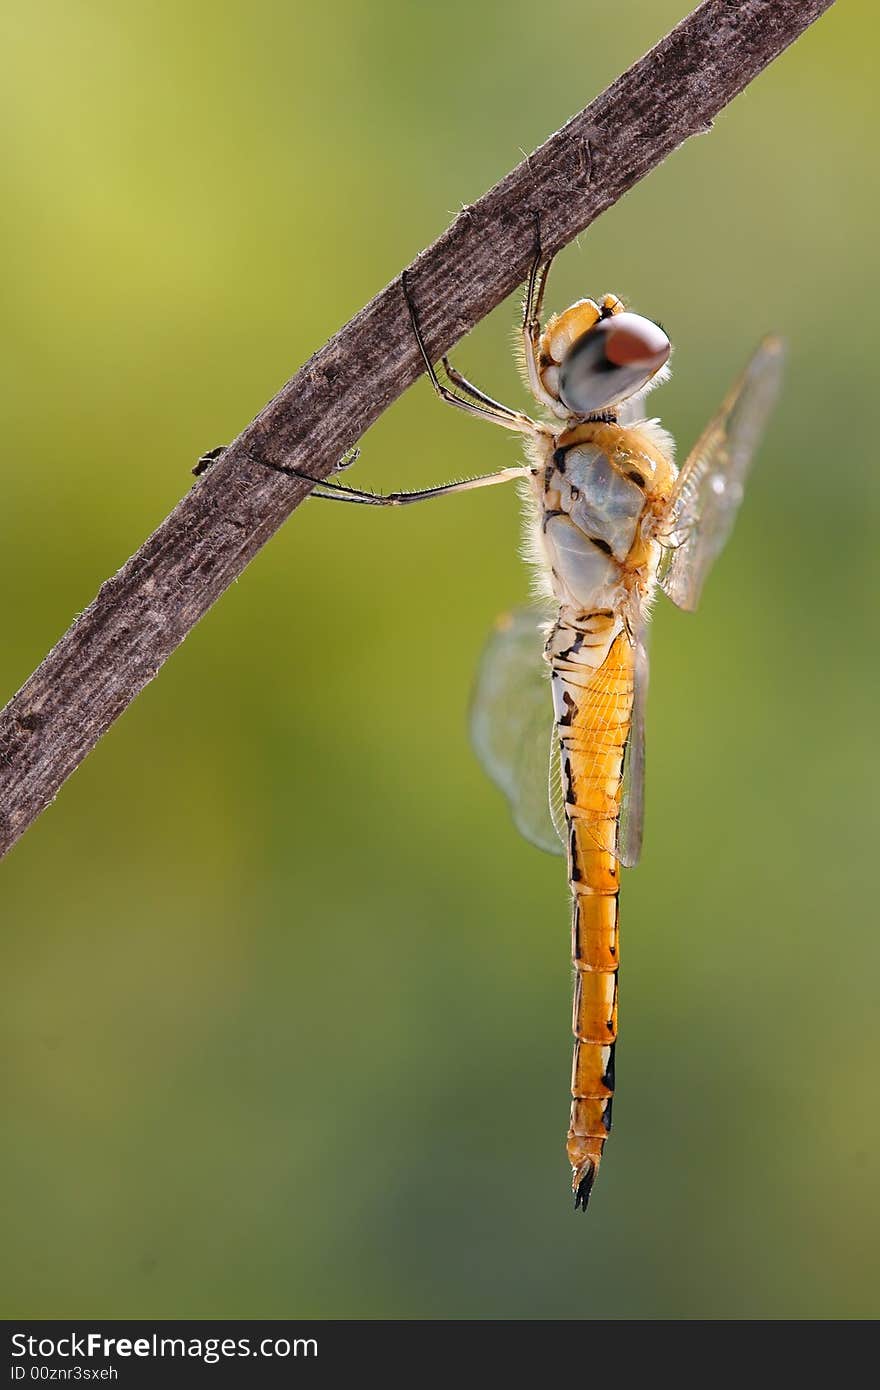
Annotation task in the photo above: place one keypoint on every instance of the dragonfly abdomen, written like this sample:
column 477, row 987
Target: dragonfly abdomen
column 594, row 1024
column 593, row 694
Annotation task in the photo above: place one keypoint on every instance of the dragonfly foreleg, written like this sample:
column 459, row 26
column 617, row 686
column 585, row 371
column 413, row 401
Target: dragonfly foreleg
column 536, row 287
column 533, row 305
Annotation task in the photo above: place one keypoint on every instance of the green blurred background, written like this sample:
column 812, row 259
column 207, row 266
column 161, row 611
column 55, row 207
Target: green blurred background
column 286, row 1000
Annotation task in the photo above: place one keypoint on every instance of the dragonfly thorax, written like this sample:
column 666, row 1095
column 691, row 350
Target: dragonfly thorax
column 600, row 501
column 602, row 486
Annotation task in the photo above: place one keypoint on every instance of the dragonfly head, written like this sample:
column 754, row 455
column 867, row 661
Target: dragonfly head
column 593, row 358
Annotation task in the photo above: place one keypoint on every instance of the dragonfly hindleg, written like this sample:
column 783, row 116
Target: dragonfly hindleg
column 207, row 458
column 340, row 492
column 211, row 456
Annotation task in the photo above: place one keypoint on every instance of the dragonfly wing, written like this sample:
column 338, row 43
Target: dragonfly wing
column 632, row 803
column 512, row 725
column 556, row 797
column 709, row 487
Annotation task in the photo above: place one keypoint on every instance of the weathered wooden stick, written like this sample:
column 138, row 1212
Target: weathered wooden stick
column 140, row 615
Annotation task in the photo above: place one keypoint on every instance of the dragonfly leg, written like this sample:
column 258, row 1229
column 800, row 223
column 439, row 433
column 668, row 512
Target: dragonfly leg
column 482, row 405
column 350, row 457
column 212, row 455
column 533, row 304
column 458, row 379
column 537, row 284
column 339, row 492
column 675, row 539
column 207, row 458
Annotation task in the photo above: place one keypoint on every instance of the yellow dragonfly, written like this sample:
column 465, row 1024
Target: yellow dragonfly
column 609, row 519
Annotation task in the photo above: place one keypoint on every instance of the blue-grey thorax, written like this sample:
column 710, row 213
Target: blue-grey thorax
column 591, row 515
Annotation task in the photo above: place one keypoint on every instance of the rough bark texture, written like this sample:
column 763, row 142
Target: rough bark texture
column 140, row 615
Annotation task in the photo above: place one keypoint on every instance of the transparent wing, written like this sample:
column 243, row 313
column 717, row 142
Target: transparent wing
column 556, row 793
column 710, row 485
column 632, row 801
column 512, row 726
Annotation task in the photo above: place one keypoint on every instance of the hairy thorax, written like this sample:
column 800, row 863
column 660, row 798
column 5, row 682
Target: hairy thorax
column 598, row 493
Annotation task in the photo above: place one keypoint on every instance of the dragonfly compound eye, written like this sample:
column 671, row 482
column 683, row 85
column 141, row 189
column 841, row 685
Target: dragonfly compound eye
column 611, row 361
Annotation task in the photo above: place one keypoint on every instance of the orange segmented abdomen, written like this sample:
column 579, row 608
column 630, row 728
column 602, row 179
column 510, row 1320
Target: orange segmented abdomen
column 593, row 699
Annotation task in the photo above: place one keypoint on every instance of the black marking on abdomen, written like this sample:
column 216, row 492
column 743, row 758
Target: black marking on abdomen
column 572, row 854
column 568, row 778
column 609, row 1022
column 608, row 1077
